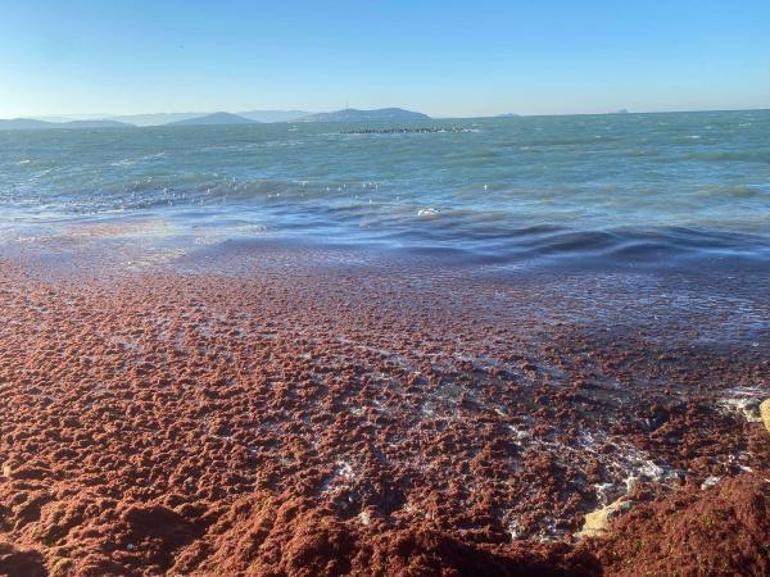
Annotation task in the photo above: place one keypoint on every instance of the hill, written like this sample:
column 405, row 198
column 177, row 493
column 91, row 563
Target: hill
column 355, row 115
column 34, row 124
column 161, row 118
column 156, row 118
column 24, row 124
column 218, row 118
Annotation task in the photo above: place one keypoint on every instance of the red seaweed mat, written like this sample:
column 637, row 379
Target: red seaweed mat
column 198, row 425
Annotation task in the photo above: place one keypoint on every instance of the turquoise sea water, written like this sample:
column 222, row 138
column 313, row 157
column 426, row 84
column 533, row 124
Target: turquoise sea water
column 626, row 188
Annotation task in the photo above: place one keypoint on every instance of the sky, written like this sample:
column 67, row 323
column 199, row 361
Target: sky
column 442, row 57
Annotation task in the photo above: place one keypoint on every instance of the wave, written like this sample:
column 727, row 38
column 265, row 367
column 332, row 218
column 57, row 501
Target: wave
column 747, row 155
column 734, row 191
column 507, row 230
column 618, row 247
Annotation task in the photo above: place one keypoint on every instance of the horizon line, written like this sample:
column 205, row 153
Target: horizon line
column 622, row 111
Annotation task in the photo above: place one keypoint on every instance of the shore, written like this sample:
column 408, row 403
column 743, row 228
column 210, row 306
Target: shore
column 293, row 411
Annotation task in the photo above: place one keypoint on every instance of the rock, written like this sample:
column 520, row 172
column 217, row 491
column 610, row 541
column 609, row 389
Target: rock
column 6, row 470
column 597, row 523
column 764, row 412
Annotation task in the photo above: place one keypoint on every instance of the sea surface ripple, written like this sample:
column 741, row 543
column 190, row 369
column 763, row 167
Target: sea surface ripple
column 619, row 189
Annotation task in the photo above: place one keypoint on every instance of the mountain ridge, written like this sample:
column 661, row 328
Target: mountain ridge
column 214, row 119
column 356, row 115
column 35, row 124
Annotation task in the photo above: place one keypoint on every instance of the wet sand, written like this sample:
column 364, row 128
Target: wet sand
column 291, row 412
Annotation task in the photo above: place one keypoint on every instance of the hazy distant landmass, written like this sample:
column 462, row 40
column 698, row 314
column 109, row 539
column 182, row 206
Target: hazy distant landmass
column 274, row 115
column 218, row 118
column 24, row 124
column 156, row 118
column 163, row 118
column 92, row 124
column 353, row 115
column 33, row 124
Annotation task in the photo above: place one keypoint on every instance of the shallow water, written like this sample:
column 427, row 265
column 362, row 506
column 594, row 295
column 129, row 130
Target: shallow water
column 632, row 189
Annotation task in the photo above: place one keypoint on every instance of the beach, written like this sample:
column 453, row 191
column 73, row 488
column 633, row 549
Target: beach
column 512, row 346
column 279, row 409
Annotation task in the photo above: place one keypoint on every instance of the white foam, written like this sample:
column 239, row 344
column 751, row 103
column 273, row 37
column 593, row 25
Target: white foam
column 744, row 401
column 428, row 212
column 710, row 482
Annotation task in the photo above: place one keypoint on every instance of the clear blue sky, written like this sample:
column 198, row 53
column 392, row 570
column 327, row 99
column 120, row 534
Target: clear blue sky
column 438, row 56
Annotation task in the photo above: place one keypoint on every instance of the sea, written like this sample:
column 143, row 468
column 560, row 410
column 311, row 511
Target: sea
column 688, row 189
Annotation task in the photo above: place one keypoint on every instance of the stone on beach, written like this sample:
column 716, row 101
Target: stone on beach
column 597, row 523
column 764, row 411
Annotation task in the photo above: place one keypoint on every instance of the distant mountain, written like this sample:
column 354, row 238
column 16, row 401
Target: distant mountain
column 24, row 124
column 33, row 124
column 274, row 115
column 156, row 119
column 161, row 118
column 91, row 124
column 354, row 115
column 218, row 118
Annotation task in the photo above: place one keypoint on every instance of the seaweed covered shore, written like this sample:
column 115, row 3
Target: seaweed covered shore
column 251, row 414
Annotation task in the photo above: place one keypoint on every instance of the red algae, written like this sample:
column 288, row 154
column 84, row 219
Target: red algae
column 287, row 422
column 721, row 532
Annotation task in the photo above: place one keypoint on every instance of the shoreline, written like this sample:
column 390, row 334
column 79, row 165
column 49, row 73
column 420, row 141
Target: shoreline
column 292, row 412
